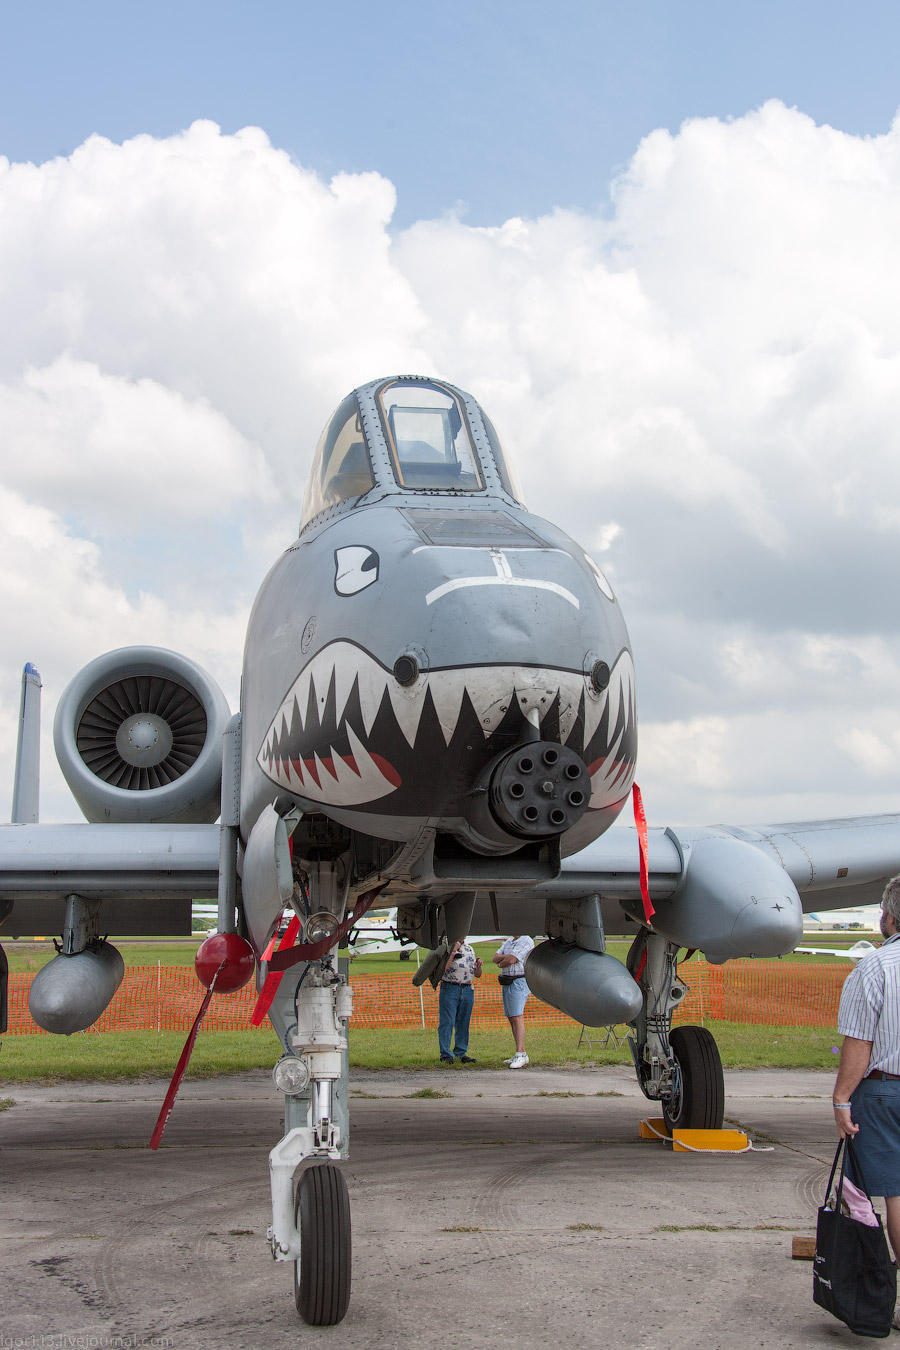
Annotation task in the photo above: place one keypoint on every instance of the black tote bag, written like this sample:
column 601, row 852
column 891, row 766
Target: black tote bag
column 854, row 1277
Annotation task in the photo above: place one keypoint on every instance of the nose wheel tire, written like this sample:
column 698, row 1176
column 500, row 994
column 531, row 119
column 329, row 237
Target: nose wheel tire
column 698, row 1102
column 322, row 1274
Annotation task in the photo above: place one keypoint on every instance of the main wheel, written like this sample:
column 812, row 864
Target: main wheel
column 322, row 1274
column 698, row 1102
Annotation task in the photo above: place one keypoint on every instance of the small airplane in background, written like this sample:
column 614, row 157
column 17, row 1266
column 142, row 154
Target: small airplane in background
column 378, row 932
column 438, row 713
column 854, row 953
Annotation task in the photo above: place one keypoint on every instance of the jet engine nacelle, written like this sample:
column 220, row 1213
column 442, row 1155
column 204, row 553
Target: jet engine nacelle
column 593, row 989
column 138, row 736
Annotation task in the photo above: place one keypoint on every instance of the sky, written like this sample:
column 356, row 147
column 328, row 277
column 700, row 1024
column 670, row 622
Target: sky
column 657, row 241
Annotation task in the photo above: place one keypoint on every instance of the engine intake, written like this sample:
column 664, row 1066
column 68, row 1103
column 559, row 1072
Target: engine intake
column 138, row 736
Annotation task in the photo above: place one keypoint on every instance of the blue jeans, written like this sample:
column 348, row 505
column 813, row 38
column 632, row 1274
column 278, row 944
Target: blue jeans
column 455, row 1004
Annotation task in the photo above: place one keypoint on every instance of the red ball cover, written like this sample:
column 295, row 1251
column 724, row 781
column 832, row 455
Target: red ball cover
column 237, row 955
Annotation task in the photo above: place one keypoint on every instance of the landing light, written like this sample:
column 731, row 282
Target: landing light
column 291, row 1075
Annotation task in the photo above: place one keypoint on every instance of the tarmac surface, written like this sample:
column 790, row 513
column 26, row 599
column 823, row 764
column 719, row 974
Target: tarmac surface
column 523, row 1209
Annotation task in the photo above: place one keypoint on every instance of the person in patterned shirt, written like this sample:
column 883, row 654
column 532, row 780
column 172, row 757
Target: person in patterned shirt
column 455, row 1003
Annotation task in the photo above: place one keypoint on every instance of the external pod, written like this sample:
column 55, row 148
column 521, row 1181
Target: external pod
column 595, row 990
column 138, row 736
column 71, row 992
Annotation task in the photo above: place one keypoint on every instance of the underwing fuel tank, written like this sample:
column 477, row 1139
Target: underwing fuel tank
column 595, row 990
column 71, row 992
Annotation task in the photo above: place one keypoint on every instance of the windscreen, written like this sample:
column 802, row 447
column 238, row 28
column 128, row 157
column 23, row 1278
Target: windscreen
column 428, row 437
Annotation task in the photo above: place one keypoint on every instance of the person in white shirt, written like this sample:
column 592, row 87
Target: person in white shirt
column 511, row 960
column 455, row 1002
column 866, row 1096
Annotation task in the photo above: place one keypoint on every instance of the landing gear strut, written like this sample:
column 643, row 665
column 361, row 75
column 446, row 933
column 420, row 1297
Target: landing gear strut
column 681, row 1068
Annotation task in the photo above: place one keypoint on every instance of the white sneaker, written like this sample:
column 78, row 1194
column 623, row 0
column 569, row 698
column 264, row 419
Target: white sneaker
column 518, row 1061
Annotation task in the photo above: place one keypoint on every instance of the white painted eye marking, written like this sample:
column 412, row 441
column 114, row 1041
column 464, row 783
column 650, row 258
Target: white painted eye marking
column 601, row 579
column 355, row 568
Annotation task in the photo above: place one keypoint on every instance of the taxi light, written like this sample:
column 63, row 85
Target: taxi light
column 320, row 926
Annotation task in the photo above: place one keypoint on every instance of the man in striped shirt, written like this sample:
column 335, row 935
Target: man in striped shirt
column 866, row 1096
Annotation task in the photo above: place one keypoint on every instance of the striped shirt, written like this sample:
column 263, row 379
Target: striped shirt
column 870, row 1005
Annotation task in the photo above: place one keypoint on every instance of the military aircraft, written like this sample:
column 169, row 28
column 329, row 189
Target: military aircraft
column 438, row 712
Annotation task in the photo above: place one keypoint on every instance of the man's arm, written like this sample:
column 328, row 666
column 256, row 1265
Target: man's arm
column 855, row 1056
column 507, row 959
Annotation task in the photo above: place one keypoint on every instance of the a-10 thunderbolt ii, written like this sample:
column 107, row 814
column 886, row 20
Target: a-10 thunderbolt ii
column 438, row 711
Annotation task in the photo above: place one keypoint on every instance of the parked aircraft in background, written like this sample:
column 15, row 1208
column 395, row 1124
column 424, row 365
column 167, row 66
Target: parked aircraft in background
column 438, row 712
column 854, row 953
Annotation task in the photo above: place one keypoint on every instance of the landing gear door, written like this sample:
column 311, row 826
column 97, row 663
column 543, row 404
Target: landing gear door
column 266, row 878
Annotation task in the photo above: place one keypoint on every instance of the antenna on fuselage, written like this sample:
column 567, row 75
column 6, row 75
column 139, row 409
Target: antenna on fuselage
column 27, row 781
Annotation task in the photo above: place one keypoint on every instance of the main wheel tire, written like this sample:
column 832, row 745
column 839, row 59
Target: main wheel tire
column 322, row 1274
column 699, row 1102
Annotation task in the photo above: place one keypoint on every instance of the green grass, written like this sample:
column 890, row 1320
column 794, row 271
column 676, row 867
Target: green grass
column 29, row 956
column 148, row 1054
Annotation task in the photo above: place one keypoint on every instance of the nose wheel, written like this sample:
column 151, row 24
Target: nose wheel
column 322, row 1273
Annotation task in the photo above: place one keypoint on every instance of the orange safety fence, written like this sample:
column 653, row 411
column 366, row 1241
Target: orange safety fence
column 166, row 998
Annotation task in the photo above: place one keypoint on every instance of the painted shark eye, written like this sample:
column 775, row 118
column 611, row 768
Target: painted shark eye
column 600, row 578
column 355, row 568
column 406, row 670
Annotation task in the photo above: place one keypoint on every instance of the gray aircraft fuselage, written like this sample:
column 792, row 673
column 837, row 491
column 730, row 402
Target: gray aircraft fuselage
column 410, row 637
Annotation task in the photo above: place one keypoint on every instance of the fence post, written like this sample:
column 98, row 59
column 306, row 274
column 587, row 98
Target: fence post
column 158, row 997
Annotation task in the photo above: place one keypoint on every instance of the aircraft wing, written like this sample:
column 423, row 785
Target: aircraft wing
column 724, row 890
column 832, row 863
column 146, row 874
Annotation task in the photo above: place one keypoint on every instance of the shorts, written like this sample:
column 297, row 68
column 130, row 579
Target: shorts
column 515, row 996
column 876, row 1110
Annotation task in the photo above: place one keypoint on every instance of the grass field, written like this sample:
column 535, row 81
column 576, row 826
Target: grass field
column 123, row 1055
column 148, row 1054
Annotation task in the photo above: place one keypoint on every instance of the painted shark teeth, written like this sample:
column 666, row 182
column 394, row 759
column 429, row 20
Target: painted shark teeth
column 343, row 688
column 612, row 776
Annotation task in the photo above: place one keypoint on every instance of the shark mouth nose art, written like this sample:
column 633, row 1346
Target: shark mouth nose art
column 348, row 733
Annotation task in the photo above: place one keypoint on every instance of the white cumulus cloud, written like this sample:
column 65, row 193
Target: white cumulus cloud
column 701, row 384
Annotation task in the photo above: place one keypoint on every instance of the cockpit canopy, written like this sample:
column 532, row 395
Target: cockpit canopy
column 430, row 444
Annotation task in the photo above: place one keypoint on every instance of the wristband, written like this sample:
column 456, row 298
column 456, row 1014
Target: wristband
column 842, row 1106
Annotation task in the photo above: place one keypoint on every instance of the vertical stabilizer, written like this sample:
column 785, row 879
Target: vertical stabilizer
column 26, row 788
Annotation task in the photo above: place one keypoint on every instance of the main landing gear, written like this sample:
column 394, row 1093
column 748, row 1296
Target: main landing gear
column 679, row 1068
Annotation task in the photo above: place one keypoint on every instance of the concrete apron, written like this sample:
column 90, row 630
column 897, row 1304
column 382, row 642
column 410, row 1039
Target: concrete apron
column 522, row 1208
